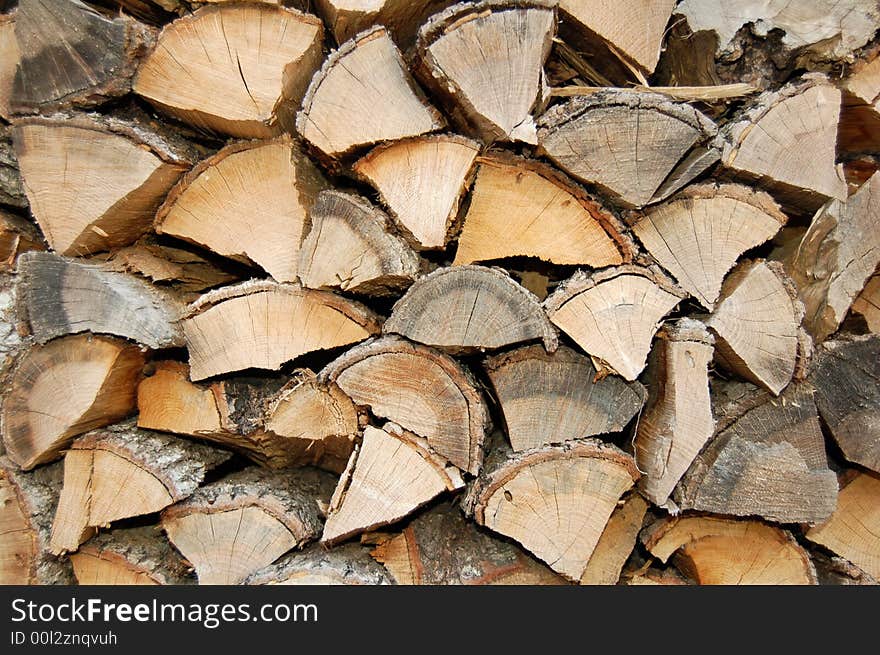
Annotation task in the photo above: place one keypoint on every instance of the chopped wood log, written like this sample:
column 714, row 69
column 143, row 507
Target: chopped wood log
column 345, row 19
column 654, row 578
column 699, row 234
column 17, row 236
column 486, row 62
column 867, row 304
column 481, row 308
column 553, row 398
column 555, row 501
column 767, row 459
column 71, row 55
column 27, row 503
column 250, row 202
column 123, row 472
column 13, row 336
column 757, row 325
column 524, row 208
column 64, row 388
column 364, row 95
column 234, row 527
column 421, row 180
column 634, row 299
column 129, row 556
column 837, row 571
column 259, row 324
column 350, row 248
column 440, row 547
column 786, row 140
column 60, row 296
column 678, row 420
column 390, row 474
column 9, row 57
column 421, row 389
column 859, row 130
column 616, row 543
column 717, row 551
column 12, row 193
column 853, row 531
column 238, row 68
column 627, row 143
column 845, row 376
column 94, row 182
column 836, row 257
column 349, row 564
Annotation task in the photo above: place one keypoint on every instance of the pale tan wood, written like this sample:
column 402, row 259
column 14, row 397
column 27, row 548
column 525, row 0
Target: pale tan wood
column 616, row 543
column 237, row 69
column 421, row 180
column 523, row 208
column 349, row 564
column 250, row 202
column 390, row 474
column 682, row 93
column 263, row 325
column 868, row 304
column 169, row 402
column 129, row 556
column 345, row 18
column 9, row 57
column 17, row 236
column 632, row 298
column 859, row 130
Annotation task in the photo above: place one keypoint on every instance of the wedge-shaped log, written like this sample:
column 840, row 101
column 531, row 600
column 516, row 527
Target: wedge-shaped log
column 390, row 474
column 236, row 68
column 616, row 543
column 403, row 18
column 868, row 304
column 349, row 564
column 859, row 131
column 9, row 58
column 261, row 324
column 232, row 528
column 613, row 314
column 17, row 236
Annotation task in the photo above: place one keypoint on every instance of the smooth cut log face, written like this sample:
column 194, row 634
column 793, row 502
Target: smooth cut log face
column 9, row 57
column 616, row 543
column 868, row 304
column 92, row 187
column 420, row 389
column 556, row 398
column 271, row 323
column 757, row 324
column 62, row 296
column 237, row 69
column 845, row 375
column 699, row 235
column 350, row 248
column 470, row 307
column 17, row 236
column 716, row 551
column 631, row 298
column 249, row 202
column 67, row 387
column 19, row 543
column 363, row 95
column 522, row 208
column 487, row 60
column 421, row 181
column 350, row 564
column 853, row 531
column 169, row 402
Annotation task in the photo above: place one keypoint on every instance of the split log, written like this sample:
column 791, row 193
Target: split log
column 553, row 398
column 524, row 208
column 616, row 543
column 129, row 556
column 440, row 547
column 421, row 180
column 9, row 58
column 27, row 503
column 64, row 388
column 837, row 571
column 853, row 531
column 678, row 421
column 486, row 62
column 349, row 564
column 481, row 308
column 757, row 325
column 654, row 577
column 364, row 95
column 836, row 257
column 859, row 130
column 95, row 182
column 234, row 527
column 716, row 551
column 12, row 192
column 345, row 19
column 237, row 69
column 867, row 304
column 767, row 459
column 71, row 55
column 628, row 143
column 123, row 472
column 555, row 501
column 350, row 248
column 390, row 475
column 259, row 324
column 231, row 202
column 700, row 234
column 59, row 296
column 17, row 236
column 422, row 390
column 845, row 376
column 631, row 298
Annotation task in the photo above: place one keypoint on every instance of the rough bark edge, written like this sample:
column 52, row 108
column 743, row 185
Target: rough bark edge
column 144, row 550
column 350, row 562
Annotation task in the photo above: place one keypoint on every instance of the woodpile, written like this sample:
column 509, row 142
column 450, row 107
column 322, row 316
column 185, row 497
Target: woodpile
column 436, row 293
